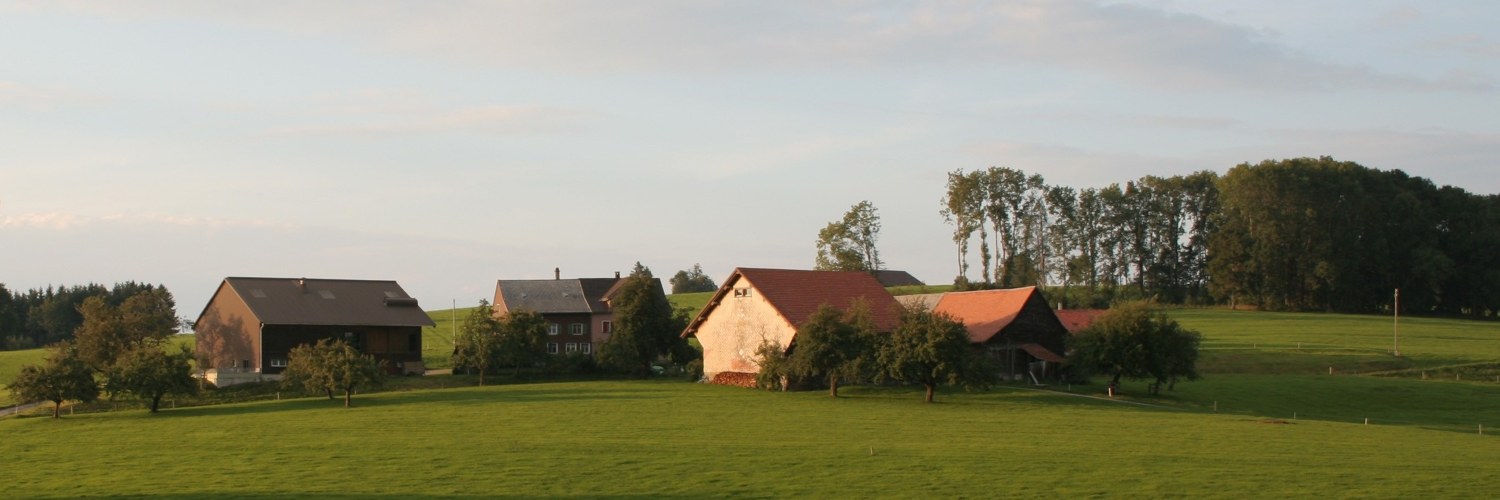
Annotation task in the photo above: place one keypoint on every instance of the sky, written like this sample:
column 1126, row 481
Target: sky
column 450, row 144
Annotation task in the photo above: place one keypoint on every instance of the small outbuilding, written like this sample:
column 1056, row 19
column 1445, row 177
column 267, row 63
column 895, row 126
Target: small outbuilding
column 250, row 325
column 1015, row 326
column 754, row 306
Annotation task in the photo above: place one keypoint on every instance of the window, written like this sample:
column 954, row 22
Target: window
column 587, row 347
column 327, row 294
column 741, row 292
column 552, row 329
column 257, row 293
column 575, row 329
column 572, row 347
column 244, row 363
column 278, row 362
column 552, row 348
column 607, row 327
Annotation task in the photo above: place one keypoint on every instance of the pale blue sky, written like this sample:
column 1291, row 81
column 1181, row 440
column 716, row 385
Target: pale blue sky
column 450, row 144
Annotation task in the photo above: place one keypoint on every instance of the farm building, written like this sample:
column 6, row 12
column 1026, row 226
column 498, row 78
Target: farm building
column 1016, row 326
column 766, row 305
column 578, row 311
column 250, row 324
column 889, row 278
column 1078, row 319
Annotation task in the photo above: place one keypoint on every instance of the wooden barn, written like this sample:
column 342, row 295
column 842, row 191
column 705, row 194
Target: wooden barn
column 766, row 305
column 250, row 325
column 1016, row 326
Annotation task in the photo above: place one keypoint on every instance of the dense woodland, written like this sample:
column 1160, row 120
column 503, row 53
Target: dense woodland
column 41, row 317
column 1297, row 234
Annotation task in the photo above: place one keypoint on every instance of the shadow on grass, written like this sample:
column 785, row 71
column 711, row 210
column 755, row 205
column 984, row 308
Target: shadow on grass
column 303, row 494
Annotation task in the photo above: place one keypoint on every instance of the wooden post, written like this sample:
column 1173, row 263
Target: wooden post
column 1367, row 420
column 1216, row 406
column 1330, row 370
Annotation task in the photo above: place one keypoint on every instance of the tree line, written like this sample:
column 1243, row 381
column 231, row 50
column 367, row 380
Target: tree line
column 1295, row 234
column 40, row 317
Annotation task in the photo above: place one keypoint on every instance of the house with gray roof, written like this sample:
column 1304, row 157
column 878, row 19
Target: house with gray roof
column 578, row 311
column 250, row 325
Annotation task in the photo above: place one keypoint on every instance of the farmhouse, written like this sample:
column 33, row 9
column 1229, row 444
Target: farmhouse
column 1015, row 326
column 754, row 306
column 250, row 325
column 578, row 311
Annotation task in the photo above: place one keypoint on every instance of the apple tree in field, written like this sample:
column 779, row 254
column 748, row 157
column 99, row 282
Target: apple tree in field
column 1136, row 342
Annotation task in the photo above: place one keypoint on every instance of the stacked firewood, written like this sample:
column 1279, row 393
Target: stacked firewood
column 737, row 379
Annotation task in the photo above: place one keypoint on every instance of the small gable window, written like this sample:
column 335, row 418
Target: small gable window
column 741, row 292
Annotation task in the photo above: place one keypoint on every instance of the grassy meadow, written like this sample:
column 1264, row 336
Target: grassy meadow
column 1267, row 420
column 674, row 439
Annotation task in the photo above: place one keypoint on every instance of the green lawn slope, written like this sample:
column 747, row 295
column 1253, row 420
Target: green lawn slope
column 674, row 439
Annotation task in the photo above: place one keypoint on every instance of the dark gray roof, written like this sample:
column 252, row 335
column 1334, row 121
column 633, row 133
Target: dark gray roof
column 570, row 296
column 308, row 301
column 890, row 278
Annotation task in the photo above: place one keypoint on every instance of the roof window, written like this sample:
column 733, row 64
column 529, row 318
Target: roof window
column 327, row 294
column 257, row 293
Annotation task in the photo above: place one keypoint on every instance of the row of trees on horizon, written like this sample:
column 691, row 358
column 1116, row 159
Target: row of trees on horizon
column 1303, row 234
column 1295, row 234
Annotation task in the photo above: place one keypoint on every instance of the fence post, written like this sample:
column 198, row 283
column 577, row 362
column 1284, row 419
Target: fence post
column 1367, row 420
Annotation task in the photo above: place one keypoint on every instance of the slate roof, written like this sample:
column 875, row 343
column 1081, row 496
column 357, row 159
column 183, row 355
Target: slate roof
column 985, row 312
column 309, row 301
column 570, row 296
column 797, row 294
column 891, row 278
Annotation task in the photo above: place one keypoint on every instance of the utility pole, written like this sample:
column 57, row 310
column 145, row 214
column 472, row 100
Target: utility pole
column 1396, row 324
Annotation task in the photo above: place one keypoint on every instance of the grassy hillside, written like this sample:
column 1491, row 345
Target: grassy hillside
column 672, row 439
column 11, row 363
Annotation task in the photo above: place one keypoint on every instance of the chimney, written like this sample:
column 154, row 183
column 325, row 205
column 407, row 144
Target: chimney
column 302, row 284
column 557, row 273
column 617, row 275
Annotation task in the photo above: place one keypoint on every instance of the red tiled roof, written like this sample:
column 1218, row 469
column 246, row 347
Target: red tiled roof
column 985, row 312
column 797, row 294
column 1078, row 319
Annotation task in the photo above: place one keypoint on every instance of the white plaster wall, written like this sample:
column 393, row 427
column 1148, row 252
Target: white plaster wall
column 736, row 328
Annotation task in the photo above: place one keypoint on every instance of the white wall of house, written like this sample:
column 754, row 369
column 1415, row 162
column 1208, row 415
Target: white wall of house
column 736, row 328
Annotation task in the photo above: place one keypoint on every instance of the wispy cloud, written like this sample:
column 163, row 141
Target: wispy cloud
column 63, row 221
column 1140, row 44
column 13, row 94
column 483, row 119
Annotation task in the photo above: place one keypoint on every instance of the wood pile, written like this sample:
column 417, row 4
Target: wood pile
column 737, row 379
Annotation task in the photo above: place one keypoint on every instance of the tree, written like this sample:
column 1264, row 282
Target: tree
column 145, row 319
column 645, row 327
column 331, row 365
column 827, row 346
column 1133, row 341
column 849, row 244
column 932, row 349
column 962, row 207
column 522, row 340
column 151, row 373
column 692, row 280
column 478, row 344
column 64, row 377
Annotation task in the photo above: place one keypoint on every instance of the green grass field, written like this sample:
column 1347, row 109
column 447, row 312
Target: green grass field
column 1266, row 421
column 10, row 365
column 673, row 439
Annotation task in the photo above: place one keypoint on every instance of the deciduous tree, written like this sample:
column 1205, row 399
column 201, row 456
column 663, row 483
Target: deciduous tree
column 828, row 346
column 331, row 365
column 645, row 326
column 150, row 373
column 932, row 349
column 1134, row 341
column 849, row 244
column 692, row 280
column 64, row 377
column 478, row 344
